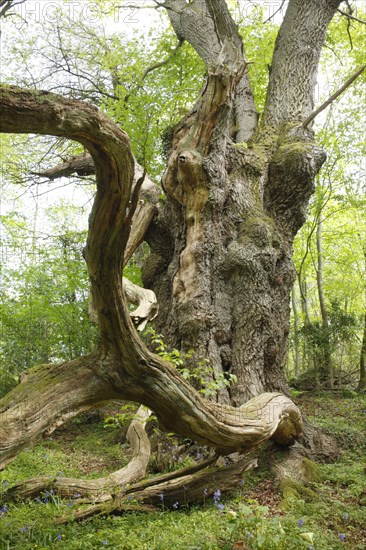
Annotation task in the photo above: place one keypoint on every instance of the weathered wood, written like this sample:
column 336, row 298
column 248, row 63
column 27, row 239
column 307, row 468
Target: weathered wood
column 182, row 490
column 146, row 301
column 122, row 367
column 100, row 489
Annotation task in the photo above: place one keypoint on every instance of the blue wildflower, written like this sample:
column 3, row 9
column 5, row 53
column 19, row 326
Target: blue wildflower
column 300, row 523
column 345, row 515
column 342, row 536
column 175, row 505
column 59, row 536
column 4, row 510
column 161, row 496
column 216, row 497
column 220, row 507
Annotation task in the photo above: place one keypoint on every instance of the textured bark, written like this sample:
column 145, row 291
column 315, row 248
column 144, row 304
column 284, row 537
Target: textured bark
column 290, row 95
column 122, row 366
column 224, row 281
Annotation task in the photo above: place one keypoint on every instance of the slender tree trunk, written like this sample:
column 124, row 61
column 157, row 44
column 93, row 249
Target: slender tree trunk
column 297, row 354
column 362, row 381
column 326, row 351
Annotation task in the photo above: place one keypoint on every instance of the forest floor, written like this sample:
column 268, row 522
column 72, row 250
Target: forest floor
column 254, row 517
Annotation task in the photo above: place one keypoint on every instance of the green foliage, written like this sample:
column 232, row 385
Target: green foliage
column 259, row 43
column 342, row 328
column 120, row 419
column 202, row 375
column 44, row 295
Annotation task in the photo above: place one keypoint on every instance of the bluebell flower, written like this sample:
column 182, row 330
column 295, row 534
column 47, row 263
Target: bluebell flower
column 216, row 497
column 23, row 529
column 300, row 523
column 342, row 536
column 59, row 536
column 175, row 505
column 4, row 510
column 220, row 507
column 105, row 542
column 161, row 496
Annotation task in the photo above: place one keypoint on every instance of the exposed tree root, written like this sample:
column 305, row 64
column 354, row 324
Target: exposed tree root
column 102, row 489
column 181, row 488
column 295, row 469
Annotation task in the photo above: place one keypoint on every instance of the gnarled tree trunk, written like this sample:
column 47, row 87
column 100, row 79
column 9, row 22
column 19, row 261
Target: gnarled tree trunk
column 221, row 262
column 233, row 209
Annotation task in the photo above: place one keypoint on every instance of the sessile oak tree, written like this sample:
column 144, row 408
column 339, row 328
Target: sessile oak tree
column 236, row 191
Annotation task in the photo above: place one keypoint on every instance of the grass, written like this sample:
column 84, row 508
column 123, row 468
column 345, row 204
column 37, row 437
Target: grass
column 254, row 517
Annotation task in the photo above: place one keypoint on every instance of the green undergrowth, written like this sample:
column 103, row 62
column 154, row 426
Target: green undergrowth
column 329, row 515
